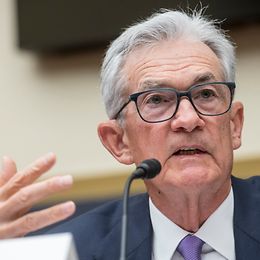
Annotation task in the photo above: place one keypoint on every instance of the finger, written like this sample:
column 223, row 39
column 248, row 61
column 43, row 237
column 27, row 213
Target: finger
column 23, row 200
column 37, row 220
column 8, row 170
column 28, row 175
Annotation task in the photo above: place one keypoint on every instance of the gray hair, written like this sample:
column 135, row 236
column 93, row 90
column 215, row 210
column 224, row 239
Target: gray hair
column 164, row 25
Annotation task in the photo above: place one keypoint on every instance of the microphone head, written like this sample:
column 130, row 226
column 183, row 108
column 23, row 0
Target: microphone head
column 150, row 167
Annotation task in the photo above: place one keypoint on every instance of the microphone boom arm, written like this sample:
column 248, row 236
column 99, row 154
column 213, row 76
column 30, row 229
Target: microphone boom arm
column 148, row 169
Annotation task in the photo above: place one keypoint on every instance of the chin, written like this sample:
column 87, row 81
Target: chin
column 192, row 176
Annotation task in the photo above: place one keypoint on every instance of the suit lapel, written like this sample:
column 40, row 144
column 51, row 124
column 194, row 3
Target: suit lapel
column 246, row 218
column 246, row 246
column 139, row 238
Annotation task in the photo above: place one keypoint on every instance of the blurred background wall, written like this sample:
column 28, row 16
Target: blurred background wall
column 51, row 102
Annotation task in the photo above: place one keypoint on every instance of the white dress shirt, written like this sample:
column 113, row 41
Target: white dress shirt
column 216, row 232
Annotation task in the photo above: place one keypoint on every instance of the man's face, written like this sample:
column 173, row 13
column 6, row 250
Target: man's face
column 180, row 64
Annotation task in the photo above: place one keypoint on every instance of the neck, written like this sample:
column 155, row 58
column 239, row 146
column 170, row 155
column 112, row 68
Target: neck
column 189, row 209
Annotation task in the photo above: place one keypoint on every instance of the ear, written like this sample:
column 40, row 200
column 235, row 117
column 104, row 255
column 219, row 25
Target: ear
column 236, row 123
column 112, row 137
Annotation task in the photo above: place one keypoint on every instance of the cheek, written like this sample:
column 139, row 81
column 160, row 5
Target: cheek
column 223, row 136
column 222, row 146
column 146, row 141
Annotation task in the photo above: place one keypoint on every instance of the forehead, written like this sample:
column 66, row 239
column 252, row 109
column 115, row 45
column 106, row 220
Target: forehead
column 172, row 63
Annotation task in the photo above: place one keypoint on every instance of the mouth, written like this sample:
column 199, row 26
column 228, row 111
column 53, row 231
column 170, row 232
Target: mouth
column 189, row 151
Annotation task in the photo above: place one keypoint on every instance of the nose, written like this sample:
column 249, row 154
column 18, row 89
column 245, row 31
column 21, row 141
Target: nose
column 186, row 118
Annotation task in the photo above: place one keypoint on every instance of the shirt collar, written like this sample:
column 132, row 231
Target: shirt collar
column 216, row 232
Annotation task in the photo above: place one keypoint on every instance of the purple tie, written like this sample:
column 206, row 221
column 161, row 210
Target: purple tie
column 190, row 247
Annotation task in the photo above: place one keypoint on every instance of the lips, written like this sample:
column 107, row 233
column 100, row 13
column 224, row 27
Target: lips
column 189, row 151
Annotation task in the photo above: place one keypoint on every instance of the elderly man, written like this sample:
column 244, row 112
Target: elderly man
column 168, row 86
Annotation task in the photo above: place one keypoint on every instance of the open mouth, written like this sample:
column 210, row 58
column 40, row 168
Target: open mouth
column 188, row 151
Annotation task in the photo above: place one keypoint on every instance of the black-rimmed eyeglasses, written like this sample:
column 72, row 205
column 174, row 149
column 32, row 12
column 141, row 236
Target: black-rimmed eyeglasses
column 160, row 104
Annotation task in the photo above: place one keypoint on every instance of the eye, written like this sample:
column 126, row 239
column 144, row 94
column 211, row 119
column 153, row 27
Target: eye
column 155, row 99
column 206, row 93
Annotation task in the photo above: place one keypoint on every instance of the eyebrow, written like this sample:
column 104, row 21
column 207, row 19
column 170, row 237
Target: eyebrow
column 149, row 84
column 207, row 77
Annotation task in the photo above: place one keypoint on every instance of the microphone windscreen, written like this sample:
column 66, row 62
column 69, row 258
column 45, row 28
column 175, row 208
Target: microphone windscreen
column 151, row 168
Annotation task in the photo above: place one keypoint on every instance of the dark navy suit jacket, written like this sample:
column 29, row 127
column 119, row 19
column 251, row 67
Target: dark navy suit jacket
column 97, row 233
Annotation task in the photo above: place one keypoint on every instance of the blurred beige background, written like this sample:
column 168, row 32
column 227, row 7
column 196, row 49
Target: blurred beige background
column 54, row 104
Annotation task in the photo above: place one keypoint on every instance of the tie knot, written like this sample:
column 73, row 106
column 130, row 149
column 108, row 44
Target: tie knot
column 190, row 247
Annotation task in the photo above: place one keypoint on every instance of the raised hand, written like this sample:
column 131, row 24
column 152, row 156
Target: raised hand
column 19, row 192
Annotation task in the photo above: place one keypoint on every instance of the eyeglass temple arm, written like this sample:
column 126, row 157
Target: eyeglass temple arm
column 120, row 110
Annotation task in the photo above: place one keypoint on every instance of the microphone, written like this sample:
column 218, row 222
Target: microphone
column 147, row 169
